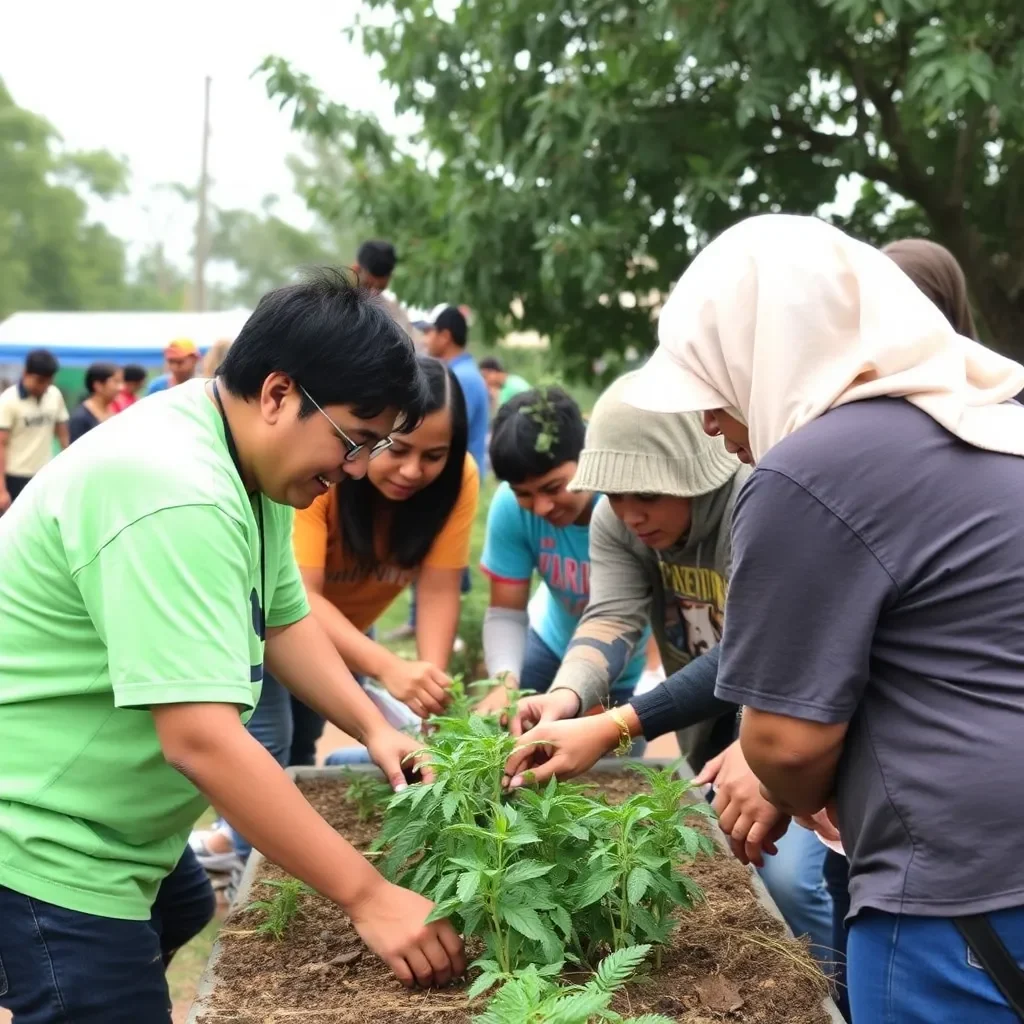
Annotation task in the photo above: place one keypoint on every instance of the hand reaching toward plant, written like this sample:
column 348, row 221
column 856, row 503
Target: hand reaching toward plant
column 752, row 824
column 499, row 698
column 420, row 685
column 561, row 749
column 391, row 921
column 392, row 752
column 542, row 708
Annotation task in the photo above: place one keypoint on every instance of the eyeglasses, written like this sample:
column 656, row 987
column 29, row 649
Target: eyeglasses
column 353, row 450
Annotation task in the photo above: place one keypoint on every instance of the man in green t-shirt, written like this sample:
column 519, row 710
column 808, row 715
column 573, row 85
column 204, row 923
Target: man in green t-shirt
column 147, row 574
column 500, row 383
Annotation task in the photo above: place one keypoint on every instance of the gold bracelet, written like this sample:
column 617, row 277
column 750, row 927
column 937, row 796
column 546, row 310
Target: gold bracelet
column 625, row 740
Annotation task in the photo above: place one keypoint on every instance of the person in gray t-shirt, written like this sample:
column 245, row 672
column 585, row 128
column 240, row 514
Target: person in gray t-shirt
column 873, row 622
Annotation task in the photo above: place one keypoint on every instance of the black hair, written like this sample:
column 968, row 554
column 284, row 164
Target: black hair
column 535, row 432
column 97, row 374
column 491, row 363
column 413, row 524
column 133, row 373
column 451, row 319
column 377, row 258
column 41, row 362
column 334, row 339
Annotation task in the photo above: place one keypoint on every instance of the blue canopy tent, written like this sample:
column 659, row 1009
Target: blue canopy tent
column 78, row 339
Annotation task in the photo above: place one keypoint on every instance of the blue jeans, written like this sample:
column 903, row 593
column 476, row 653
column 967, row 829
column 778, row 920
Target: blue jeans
column 60, row 966
column 918, row 970
column 541, row 665
column 794, row 879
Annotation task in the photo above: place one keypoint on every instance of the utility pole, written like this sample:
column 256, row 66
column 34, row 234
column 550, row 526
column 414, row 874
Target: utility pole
column 202, row 222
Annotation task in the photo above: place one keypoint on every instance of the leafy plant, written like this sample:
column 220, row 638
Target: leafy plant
column 539, row 876
column 532, row 998
column 367, row 790
column 545, row 417
column 282, row 908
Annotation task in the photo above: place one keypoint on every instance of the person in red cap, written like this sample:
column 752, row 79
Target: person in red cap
column 181, row 357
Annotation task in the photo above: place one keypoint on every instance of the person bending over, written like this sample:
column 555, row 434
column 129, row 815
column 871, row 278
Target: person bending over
column 660, row 553
column 537, row 525
column 148, row 575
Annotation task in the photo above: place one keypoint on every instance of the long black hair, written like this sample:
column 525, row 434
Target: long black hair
column 416, row 522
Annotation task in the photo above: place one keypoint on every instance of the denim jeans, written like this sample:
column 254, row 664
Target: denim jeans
column 918, row 970
column 541, row 665
column 60, row 966
column 793, row 877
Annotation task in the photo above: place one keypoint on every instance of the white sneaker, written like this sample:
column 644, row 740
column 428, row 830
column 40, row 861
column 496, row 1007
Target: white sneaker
column 211, row 860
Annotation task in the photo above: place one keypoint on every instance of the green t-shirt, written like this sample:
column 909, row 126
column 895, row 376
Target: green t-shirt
column 514, row 385
column 130, row 577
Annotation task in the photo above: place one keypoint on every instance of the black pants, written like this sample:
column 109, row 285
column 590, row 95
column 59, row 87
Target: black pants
column 15, row 484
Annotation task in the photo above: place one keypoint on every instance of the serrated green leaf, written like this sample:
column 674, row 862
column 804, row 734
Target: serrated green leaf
column 595, row 888
column 525, row 921
column 482, row 984
column 449, row 805
column 443, row 910
column 524, row 871
column 468, row 885
column 560, row 916
column 637, row 884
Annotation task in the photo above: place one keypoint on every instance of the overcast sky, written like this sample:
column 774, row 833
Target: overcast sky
column 128, row 76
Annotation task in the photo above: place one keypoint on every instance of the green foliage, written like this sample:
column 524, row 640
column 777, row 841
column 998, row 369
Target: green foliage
column 532, row 998
column 574, row 154
column 544, row 415
column 280, row 910
column 367, row 790
column 539, row 875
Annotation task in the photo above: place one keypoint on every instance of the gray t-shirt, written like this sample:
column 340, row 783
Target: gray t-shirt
column 878, row 579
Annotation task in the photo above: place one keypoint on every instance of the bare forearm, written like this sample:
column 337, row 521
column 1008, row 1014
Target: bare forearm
column 244, row 783
column 796, row 787
column 303, row 658
column 357, row 650
column 437, row 621
column 63, row 435
column 3, row 458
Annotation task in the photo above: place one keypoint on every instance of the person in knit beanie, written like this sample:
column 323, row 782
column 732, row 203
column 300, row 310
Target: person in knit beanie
column 660, row 554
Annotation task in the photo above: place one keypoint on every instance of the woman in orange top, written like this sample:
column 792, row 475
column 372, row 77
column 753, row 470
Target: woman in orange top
column 358, row 546
column 409, row 518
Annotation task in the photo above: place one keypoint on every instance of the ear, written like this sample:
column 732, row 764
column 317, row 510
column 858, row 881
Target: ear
column 278, row 392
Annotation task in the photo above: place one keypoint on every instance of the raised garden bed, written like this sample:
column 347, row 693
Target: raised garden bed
column 731, row 958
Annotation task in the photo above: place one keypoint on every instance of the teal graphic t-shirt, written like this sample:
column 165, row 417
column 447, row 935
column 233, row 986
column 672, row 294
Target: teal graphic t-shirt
column 518, row 544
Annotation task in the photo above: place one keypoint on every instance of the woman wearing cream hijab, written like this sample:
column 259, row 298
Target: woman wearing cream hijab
column 873, row 623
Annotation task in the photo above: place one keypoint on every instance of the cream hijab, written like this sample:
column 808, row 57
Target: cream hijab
column 782, row 318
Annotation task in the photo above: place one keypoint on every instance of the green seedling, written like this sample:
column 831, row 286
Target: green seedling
column 280, row 911
column 533, row 998
column 367, row 790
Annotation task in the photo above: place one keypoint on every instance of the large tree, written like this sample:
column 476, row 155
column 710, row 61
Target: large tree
column 53, row 255
column 574, row 154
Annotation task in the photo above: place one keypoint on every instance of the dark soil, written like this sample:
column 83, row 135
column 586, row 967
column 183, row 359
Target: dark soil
column 728, row 960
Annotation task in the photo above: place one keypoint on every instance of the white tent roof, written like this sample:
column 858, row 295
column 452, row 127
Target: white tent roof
column 78, row 339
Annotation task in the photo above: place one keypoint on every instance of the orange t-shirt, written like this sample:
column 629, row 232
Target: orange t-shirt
column 360, row 596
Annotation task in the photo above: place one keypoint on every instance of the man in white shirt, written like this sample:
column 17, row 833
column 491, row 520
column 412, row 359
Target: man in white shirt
column 32, row 412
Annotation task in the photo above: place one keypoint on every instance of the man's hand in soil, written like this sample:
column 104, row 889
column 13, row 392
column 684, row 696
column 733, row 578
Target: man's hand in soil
column 418, row 684
column 565, row 749
column 542, row 708
column 752, row 824
column 393, row 753
column 390, row 921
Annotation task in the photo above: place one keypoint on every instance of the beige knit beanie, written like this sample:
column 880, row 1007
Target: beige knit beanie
column 628, row 451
